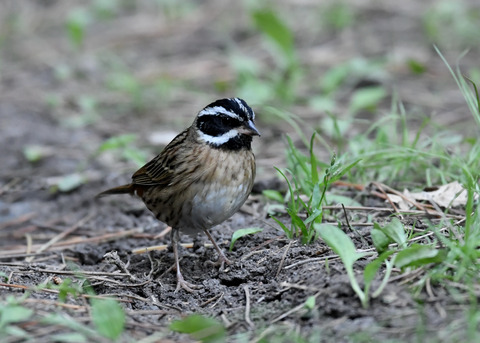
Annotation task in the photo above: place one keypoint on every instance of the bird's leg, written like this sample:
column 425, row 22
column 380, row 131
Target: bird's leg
column 222, row 259
column 181, row 283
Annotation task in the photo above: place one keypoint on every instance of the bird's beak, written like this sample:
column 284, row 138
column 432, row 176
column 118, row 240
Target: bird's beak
column 249, row 129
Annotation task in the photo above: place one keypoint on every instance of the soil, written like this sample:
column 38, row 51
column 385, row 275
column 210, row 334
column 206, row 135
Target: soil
column 46, row 86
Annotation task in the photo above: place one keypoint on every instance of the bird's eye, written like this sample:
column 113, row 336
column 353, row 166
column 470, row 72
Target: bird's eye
column 228, row 121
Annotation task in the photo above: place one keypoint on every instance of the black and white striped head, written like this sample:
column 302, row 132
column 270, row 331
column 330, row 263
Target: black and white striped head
column 227, row 124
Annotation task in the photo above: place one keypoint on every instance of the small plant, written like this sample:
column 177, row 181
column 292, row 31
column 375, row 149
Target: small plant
column 108, row 316
column 342, row 245
column 280, row 82
column 34, row 153
column 65, row 288
column 393, row 232
column 68, row 183
column 415, row 255
column 79, row 18
column 12, row 313
column 122, row 144
column 367, row 98
column 200, row 328
column 306, row 181
column 77, row 21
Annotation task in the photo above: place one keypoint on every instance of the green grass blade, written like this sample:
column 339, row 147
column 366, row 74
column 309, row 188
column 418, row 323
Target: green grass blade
column 372, row 268
column 288, row 232
column 243, row 232
column 275, row 29
column 313, row 161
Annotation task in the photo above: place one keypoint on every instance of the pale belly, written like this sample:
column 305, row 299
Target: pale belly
column 210, row 208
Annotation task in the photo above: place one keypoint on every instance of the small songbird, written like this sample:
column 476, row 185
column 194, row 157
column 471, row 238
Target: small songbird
column 202, row 177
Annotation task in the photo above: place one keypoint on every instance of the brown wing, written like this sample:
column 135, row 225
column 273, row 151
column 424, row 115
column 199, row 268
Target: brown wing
column 160, row 171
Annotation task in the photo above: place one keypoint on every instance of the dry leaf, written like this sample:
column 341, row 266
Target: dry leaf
column 450, row 195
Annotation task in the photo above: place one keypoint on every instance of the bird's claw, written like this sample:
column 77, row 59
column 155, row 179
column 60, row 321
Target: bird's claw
column 222, row 260
column 189, row 287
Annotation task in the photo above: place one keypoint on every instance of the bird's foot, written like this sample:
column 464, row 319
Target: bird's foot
column 189, row 287
column 222, row 260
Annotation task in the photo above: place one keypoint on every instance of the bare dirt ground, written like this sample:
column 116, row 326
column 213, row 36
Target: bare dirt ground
column 46, row 92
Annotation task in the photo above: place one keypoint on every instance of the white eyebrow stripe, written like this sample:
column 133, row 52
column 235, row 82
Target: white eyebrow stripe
column 243, row 108
column 237, row 100
column 220, row 139
column 216, row 110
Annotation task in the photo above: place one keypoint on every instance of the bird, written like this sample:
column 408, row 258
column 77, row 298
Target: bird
column 202, row 177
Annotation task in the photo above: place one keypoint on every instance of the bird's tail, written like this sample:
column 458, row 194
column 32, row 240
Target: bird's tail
column 125, row 189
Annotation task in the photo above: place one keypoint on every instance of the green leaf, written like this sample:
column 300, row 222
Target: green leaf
column 317, row 212
column 77, row 20
column 273, row 195
column 275, row 29
column 367, row 98
column 33, row 153
column 243, row 232
column 116, row 142
column 310, row 303
column 108, row 317
column 395, row 231
column 201, row 328
column 418, row 255
column 14, row 314
column 343, row 246
column 416, row 67
column 340, row 243
column 70, row 182
column 274, row 209
column 380, row 240
column 324, row 104
column 334, row 77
